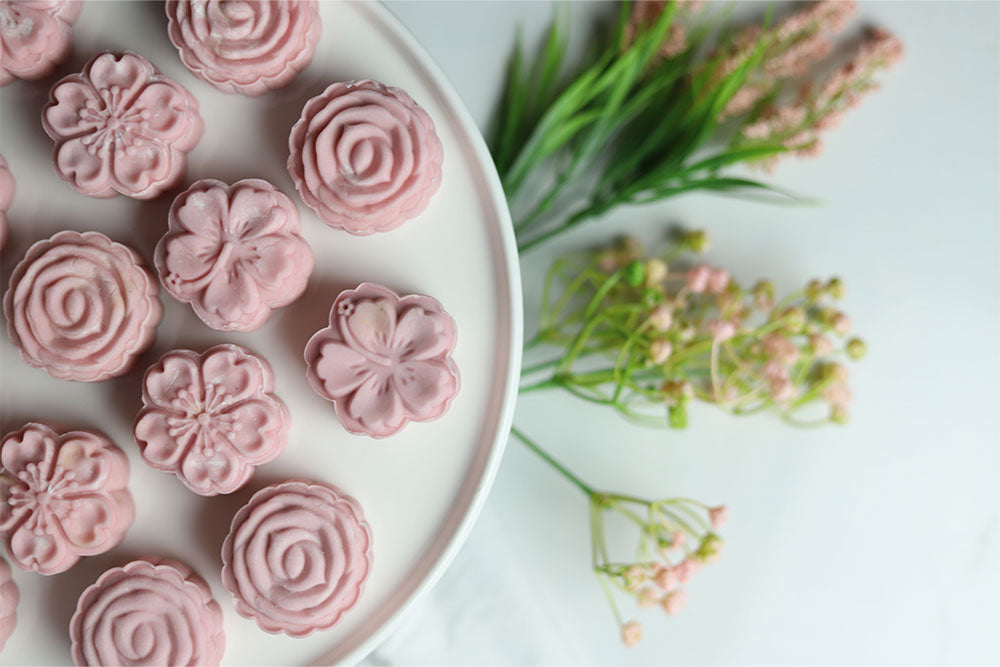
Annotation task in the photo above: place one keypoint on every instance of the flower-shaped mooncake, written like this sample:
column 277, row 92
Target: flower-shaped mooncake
column 211, row 418
column 385, row 360
column 297, row 557
column 35, row 36
column 121, row 127
column 6, row 198
column 9, row 597
column 365, row 157
column 245, row 47
column 62, row 496
column 234, row 252
column 153, row 611
column 81, row 307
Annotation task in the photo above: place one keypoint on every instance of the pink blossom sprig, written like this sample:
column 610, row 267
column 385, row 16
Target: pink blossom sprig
column 677, row 537
column 647, row 335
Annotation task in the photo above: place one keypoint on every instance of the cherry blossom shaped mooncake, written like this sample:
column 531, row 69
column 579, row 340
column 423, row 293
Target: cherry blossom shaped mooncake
column 152, row 611
column 35, row 36
column 385, row 360
column 121, row 127
column 234, row 252
column 82, row 307
column 365, row 157
column 297, row 557
column 246, row 47
column 7, row 188
column 211, row 418
column 9, row 597
column 62, row 496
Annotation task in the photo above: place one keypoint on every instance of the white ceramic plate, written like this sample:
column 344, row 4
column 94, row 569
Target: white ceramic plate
column 420, row 489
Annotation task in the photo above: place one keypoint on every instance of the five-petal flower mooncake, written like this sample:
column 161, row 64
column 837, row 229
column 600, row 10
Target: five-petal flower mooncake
column 121, row 127
column 234, row 252
column 62, row 496
column 385, row 360
column 211, row 418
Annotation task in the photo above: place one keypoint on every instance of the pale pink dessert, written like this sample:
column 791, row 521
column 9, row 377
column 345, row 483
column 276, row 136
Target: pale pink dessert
column 246, row 47
column 234, row 252
column 62, row 496
column 385, row 360
column 365, row 157
column 211, row 418
column 297, row 557
column 121, row 127
column 7, row 188
column 152, row 611
column 82, row 307
column 9, row 597
column 35, row 36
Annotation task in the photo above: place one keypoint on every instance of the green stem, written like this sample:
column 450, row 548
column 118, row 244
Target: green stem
column 545, row 456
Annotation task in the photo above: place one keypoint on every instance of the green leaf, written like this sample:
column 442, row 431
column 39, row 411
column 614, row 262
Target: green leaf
column 511, row 110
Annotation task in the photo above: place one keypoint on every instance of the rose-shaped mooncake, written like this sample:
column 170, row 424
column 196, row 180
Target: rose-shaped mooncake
column 211, row 418
column 62, row 496
column 365, row 157
column 81, row 307
column 7, row 187
column 9, row 597
column 296, row 557
column 247, row 47
column 234, row 252
column 153, row 611
column 385, row 360
column 35, row 36
column 121, row 127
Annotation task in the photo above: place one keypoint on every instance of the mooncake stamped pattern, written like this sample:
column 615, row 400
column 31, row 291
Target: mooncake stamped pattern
column 62, row 496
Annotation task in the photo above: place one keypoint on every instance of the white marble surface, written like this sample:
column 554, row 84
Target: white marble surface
column 878, row 542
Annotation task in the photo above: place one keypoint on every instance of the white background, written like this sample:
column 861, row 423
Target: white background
column 878, row 542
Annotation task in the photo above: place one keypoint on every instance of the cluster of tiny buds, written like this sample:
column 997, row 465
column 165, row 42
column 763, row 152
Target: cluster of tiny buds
column 659, row 584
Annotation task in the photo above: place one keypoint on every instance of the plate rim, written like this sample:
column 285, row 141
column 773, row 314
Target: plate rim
column 507, row 253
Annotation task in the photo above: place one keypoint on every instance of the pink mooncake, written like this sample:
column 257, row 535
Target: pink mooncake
column 211, row 418
column 62, row 496
column 121, row 127
column 35, row 36
column 297, row 557
column 81, row 307
column 365, row 157
column 234, row 252
column 9, row 597
column 152, row 611
column 385, row 360
column 6, row 199
column 245, row 47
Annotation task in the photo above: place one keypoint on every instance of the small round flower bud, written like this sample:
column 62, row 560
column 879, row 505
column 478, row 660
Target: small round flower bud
column 840, row 323
column 677, row 416
column 674, row 601
column 697, row 278
column 659, row 350
column 631, row 633
column 656, row 271
column 856, row 348
column 666, row 579
column 607, row 261
column 696, row 240
column 839, row 414
column 763, row 294
column 795, row 318
column 709, row 549
column 661, row 318
column 820, row 345
column 718, row 516
column 721, row 330
column 718, row 281
column 815, row 290
column 835, row 288
column 634, row 273
column 647, row 598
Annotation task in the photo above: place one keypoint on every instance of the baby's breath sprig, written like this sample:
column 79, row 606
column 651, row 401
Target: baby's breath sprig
column 676, row 538
column 646, row 336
